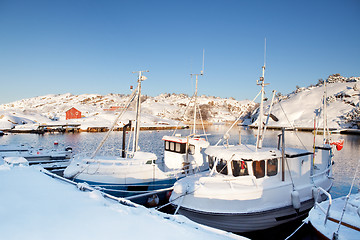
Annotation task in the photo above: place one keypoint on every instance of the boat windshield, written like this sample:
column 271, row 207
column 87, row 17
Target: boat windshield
column 259, row 168
column 239, row 168
column 271, row 168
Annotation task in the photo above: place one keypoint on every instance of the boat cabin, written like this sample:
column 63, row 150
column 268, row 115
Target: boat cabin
column 183, row 151
column 245, row 160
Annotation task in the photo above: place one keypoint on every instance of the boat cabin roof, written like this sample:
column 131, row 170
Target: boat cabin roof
column 249, row 152
column 194, row 141
column 296, row 152
column 246, row 152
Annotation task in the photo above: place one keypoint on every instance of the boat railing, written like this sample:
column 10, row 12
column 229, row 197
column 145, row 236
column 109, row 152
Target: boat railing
column 317, row 204
column 80, row 156
column 85, row 157
column 325, row 172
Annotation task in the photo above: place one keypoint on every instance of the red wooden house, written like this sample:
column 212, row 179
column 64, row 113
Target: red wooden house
column 73, row 113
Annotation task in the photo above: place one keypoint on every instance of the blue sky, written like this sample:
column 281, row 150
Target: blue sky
column 85, row 46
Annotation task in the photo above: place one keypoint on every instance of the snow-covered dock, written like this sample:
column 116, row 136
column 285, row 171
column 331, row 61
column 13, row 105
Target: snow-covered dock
column 36, row 206
column 42, row 128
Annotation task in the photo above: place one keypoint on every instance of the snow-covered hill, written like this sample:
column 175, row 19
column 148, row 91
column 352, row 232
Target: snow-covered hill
column 299, row 108
column 165, row 109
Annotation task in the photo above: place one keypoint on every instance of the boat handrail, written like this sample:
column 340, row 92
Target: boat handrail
column 118, row 161
column 327, row 211
column 320, row 173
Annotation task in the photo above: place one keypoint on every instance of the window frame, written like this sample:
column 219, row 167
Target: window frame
column 237, row 172
column 175, row 147
column 191, row 149
column 274, row 172
column 211, row 161
column 259, row 168
column 223, row 169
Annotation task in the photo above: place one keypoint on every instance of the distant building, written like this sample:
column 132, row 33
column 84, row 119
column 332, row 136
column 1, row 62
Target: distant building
column 73, row 113
column 113, row 108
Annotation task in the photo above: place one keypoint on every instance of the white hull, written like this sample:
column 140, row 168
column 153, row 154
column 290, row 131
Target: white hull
column 248, row 203
column 247, row 222
column 141, row 170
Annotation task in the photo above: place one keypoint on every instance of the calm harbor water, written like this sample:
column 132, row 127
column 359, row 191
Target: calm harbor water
column 343, row 170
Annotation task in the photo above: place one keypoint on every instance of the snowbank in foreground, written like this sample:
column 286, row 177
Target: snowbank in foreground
column 35, row 206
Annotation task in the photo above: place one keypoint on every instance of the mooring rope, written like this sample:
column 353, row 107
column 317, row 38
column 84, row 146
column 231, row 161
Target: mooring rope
column 295, row 231
column 347, row 198
column 131, row 98
column 182, row 116
column 292, row 126
column 240, row 115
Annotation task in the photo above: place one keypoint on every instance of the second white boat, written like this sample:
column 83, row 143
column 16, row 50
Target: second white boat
column 251, row 188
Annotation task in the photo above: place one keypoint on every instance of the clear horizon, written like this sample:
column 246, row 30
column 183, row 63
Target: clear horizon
column 92, row 47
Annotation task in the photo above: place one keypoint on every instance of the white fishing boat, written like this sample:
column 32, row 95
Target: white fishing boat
column 138, row 175
column 54, row 160
column 250, row 187
column 337, row 218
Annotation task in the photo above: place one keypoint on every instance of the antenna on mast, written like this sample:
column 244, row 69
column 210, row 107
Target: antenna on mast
column 265, row 53
column 263, row 67
column 203, row 63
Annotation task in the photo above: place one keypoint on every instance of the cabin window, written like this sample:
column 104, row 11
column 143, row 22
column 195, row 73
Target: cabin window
column 175, row 147
column 221, row 167
column 272, row 167
column 182, row 148
column 259, row 168
column 239, row 168
column 191, row 149
column 172, row 146
column 211, row 161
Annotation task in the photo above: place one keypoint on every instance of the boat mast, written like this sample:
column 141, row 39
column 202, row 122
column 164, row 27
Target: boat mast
column 195, row 94
column 262, row 83
column 195, row 102
column 138, row 108
column 326, row 129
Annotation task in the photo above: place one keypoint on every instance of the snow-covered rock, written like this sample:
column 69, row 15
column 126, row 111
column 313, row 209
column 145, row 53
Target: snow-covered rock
column 300, row 108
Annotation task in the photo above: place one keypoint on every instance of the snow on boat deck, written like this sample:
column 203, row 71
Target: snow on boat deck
column 35, row 206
